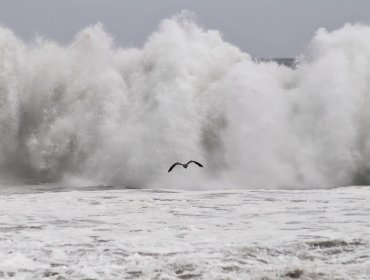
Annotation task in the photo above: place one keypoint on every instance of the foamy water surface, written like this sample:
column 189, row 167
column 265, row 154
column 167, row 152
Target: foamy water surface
column 152, row 234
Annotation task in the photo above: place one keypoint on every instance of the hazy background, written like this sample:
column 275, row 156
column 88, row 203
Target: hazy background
column 263, row 28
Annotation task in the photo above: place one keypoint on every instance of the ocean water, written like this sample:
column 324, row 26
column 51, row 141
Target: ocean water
column 175, row 234
column 96, row 111
column 89, row 129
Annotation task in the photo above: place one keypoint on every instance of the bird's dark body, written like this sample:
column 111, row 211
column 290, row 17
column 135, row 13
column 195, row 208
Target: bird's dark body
column 185, row 165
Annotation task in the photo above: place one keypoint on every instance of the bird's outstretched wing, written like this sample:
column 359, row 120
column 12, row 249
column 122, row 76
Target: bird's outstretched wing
column 197, row 163
column 173, row 165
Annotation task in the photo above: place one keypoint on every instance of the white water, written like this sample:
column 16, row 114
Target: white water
column 96, row 111
column 210, row 235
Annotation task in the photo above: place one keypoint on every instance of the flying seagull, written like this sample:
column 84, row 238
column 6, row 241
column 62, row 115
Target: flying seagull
column 185, row 165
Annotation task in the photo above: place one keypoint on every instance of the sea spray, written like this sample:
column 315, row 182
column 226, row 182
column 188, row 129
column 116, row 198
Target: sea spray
column 118, row 116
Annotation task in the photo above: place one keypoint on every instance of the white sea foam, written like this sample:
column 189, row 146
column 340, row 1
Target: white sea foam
column 94, row 110
column 144, row 234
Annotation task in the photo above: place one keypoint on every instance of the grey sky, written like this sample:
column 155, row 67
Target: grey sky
column 263, row 28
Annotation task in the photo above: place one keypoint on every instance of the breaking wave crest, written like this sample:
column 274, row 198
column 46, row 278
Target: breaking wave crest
column 122, row 116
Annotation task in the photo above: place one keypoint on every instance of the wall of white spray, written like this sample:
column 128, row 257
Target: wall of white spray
column 120, row 116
